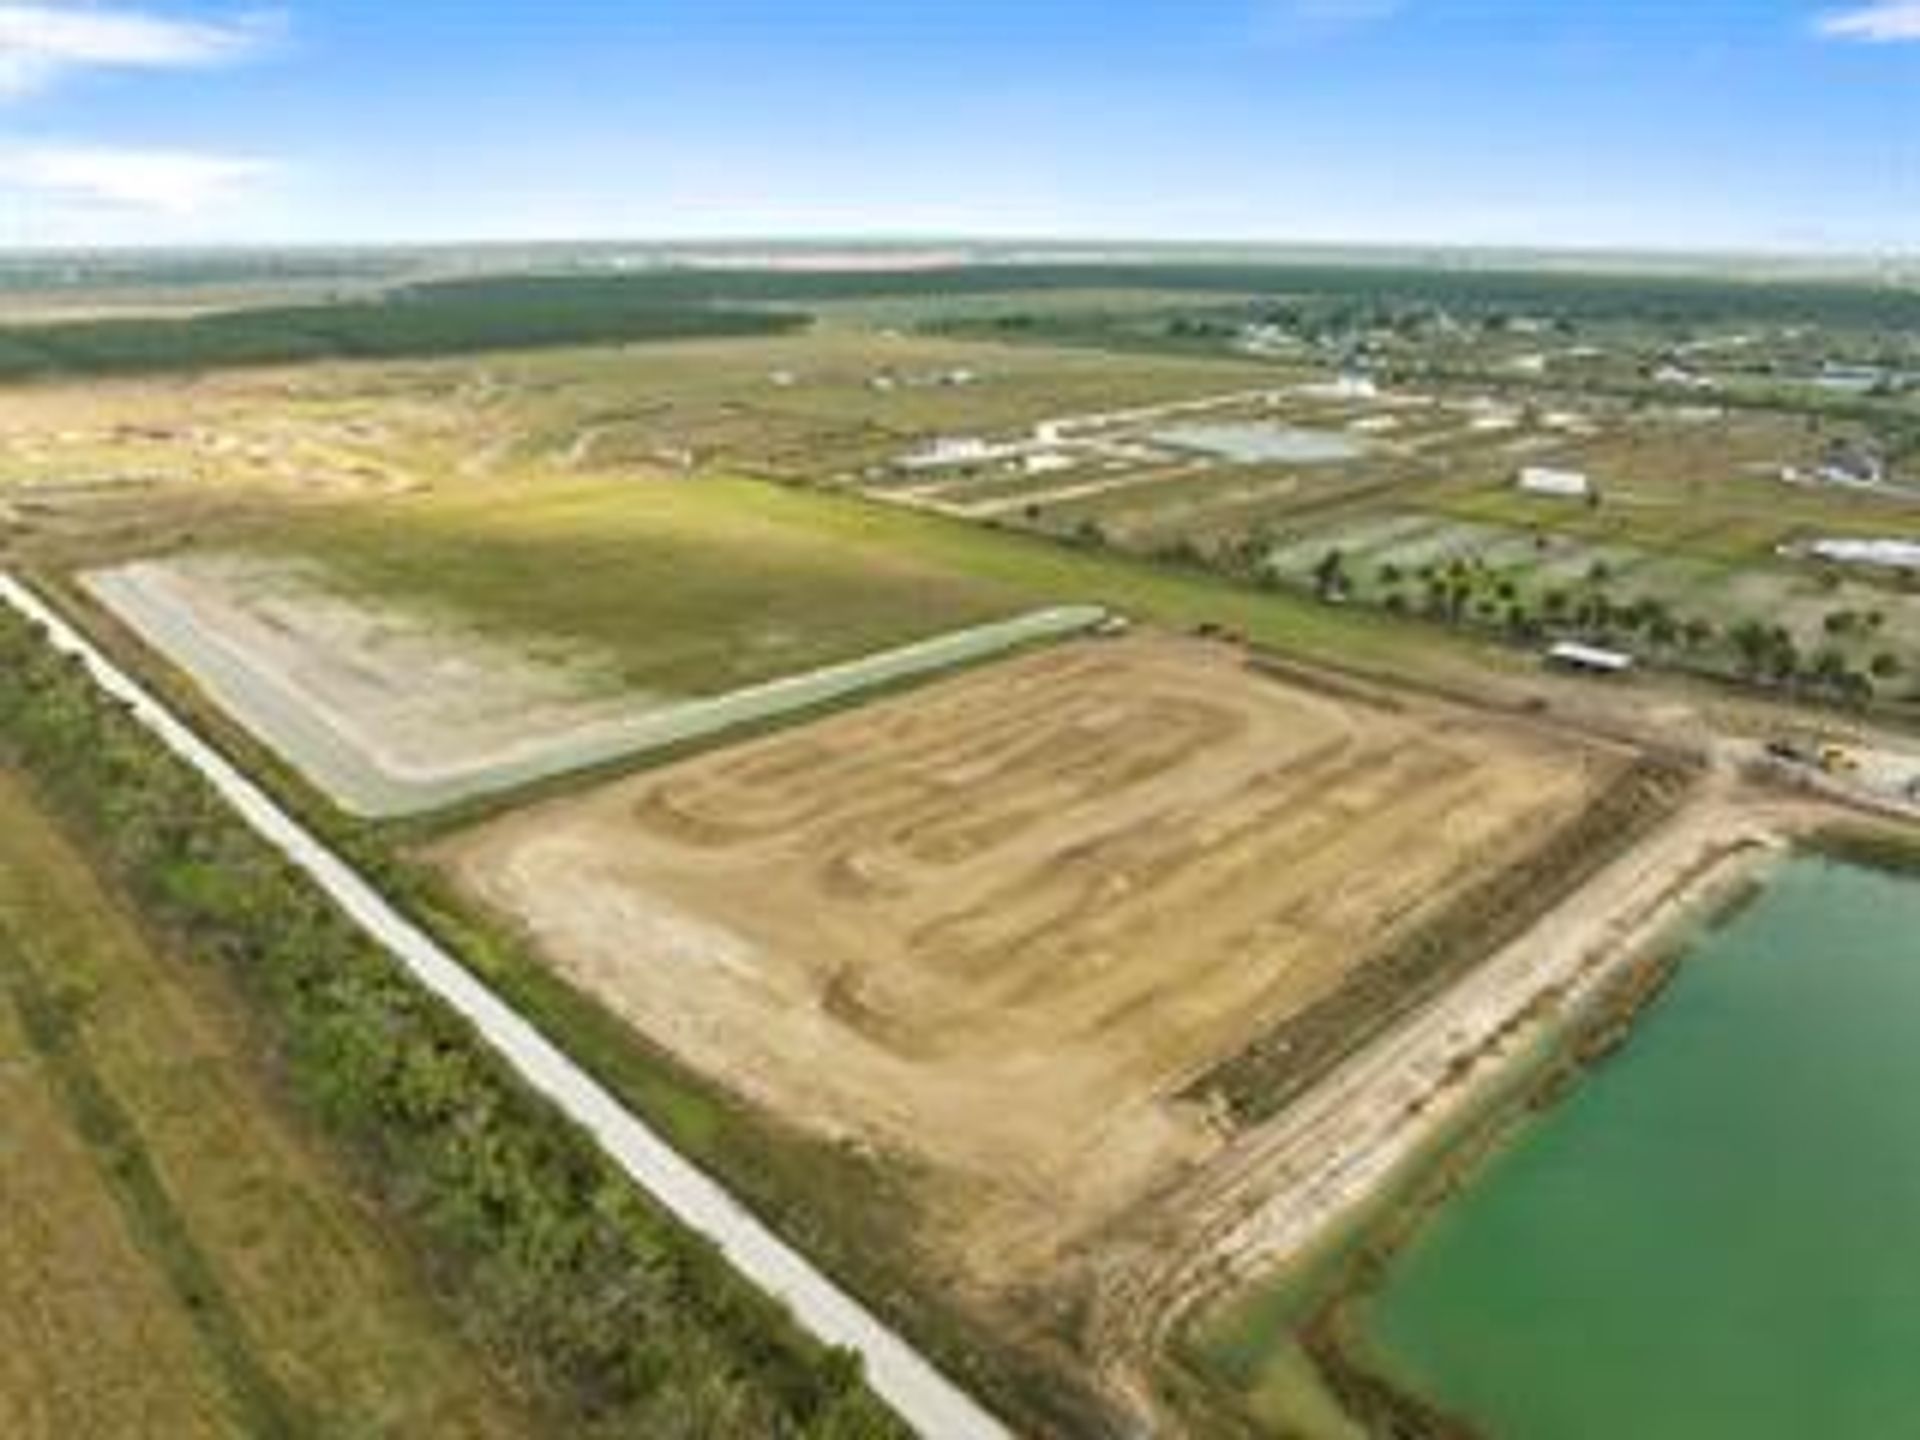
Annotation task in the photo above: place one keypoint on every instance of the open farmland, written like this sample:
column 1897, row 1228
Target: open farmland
column 1688, row 544
column 827, row 405
column 676, row 587
column 1221, row 472
column 121, row 469
column 995, row 928
column 1043, row 1003
column 1408, row 559
column 173, row 1260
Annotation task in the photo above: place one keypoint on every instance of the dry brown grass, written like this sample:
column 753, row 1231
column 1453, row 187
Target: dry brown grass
column 91, row 1339
column 174, row 1258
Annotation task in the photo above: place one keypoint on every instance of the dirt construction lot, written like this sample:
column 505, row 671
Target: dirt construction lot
column 997, row 925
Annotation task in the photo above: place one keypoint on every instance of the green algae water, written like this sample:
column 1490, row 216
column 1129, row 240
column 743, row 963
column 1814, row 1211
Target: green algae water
column 1718, row 1233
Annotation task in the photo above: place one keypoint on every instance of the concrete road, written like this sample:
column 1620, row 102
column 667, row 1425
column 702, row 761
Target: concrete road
column 923, row 1397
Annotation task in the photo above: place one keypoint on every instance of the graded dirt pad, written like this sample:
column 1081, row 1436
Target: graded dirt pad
column 374, row 702
column 396, row 708
column 996, row 926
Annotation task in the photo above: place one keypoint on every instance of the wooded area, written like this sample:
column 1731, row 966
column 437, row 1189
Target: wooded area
column 587, row 1296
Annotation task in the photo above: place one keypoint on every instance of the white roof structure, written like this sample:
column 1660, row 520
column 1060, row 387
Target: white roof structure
column 1590, row 657
column 1565, row 484
column 1685, row 379
column 1350, row 385
column 1048, row 462
column 1892, row 554
column 952, row 450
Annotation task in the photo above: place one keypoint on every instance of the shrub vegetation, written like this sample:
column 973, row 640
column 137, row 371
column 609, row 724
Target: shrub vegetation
column 590, row 1297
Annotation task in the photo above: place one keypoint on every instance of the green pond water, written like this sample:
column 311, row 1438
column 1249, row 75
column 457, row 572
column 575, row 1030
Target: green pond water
column 1718, row 1234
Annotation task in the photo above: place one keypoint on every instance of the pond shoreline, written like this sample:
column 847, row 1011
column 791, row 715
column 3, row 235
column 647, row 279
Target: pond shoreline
column 1541, row 1063
column 1369, row 1371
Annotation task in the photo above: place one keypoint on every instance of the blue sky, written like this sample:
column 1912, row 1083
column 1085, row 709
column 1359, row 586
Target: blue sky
column 1749, row 124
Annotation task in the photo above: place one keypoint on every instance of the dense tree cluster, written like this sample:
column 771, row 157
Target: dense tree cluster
column 595, row 1302
column 420, row 322
column 587, row 307
column 1388, row 292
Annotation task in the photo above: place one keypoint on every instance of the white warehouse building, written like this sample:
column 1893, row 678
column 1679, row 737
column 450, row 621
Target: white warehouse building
column 1561, row 484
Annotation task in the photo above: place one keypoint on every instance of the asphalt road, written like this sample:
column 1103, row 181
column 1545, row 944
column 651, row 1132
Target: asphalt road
column 922, row 1396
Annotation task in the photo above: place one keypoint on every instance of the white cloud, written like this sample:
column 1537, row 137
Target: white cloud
column 1883, row 22
column 168, row 182
column 40, row 43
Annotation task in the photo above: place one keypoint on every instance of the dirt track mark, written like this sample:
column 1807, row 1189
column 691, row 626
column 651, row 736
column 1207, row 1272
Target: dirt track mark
column 1000, row 924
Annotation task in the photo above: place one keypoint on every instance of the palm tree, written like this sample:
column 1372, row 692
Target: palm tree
column 1330, row 575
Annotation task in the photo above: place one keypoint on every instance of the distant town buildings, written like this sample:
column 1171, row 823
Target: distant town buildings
column 949, row 452
column 958, row 379
column 1047, row 462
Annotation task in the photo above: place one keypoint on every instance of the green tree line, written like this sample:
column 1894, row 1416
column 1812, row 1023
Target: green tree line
column 1483, row 292
column 412, row 323
column 590, row 1299
column 670, row 303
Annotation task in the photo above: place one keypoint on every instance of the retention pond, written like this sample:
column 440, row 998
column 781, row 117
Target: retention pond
column 1718, row 1234
column 1262, row 444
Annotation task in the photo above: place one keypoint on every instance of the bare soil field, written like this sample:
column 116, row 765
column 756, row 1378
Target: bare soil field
column 418, row 691
column 995, row 928
column 368, row 700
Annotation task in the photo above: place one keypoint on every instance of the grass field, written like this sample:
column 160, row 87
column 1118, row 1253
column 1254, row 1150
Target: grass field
column 405, row 649
column 675, row 587
column 174, row 1260
column 482, row 483
column 122, row 469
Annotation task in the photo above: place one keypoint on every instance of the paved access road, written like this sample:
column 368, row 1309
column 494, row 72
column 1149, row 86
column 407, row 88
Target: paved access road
column 925, row 1398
